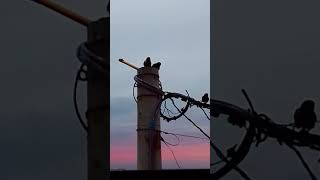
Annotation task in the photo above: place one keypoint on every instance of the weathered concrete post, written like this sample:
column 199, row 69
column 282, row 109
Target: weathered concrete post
column 98, row 103
column 149, row 146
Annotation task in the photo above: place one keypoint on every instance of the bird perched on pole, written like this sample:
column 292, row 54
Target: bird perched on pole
column 147, row 62
column 205, row 98
column 157, row 65
column 305, row 117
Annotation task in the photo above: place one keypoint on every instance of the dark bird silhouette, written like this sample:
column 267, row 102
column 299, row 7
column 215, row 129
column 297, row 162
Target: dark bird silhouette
column 147, row 62
column 305, row 117
column 157, row 65
column 205, row 98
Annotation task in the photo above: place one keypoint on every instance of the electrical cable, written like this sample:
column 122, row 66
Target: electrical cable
column 205, row 113
column 259, row 123
column 79, row 78
column 190, row 102
column 133, row 94
column 90, row 58
column 216, row 163
column 171, row 143
column 87, row 58
column 177, row 134
column 304, row 163
column 171, row 152
column 219, row 152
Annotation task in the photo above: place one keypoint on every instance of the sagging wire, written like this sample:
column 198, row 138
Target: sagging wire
column 262, row 124
column 205, row 113
column 175, row 134
column 87, row 58
column 304, row 163
column 194, row 124
column 79, row 78
column 168, row 110
column 242, row 173
column 174, row 156
column 184, row 135
column 133, row 94
column 216, row 163
column 170, row 144
column 166, row 142
column 176, row 144
column 190, row 101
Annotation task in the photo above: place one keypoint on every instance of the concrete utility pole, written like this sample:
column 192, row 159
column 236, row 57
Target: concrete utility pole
column 98, row 102
column 98, row 137
column 149, row 145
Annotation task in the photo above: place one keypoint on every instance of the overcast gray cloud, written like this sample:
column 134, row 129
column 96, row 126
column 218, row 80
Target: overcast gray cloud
column 175, row 32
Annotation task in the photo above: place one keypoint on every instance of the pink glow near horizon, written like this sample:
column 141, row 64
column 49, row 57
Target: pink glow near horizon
column 189, row 155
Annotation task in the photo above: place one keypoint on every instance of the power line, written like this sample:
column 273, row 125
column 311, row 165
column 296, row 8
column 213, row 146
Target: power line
column 87, row 58
column 259, row 124
column 177, row 134
column 219, row 153
column 167, row 144
column 79, row 78
column 205, row 113
column 190, row 101
column 304, row 163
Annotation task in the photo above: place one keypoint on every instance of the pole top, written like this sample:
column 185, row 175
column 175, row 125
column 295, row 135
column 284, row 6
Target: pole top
column 148, row 71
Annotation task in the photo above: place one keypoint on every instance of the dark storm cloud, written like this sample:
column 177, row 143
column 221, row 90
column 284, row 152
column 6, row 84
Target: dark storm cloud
column 39, row 133
column 270, row 48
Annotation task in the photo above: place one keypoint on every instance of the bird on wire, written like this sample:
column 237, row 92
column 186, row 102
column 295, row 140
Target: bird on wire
column 304, row 117
column 205, row 98
column 157, row 65
column 147, row 62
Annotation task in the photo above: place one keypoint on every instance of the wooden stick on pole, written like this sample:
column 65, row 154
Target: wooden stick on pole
column 65, row 12
column 130, row 65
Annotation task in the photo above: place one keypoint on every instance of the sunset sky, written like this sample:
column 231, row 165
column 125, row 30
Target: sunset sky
column 175, row 32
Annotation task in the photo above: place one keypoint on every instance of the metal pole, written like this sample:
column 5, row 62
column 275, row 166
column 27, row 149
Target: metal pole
column 98, row 138
column 148, row 142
